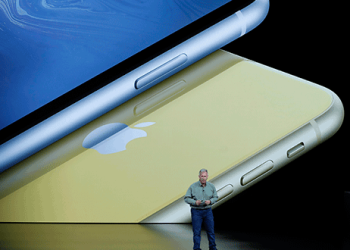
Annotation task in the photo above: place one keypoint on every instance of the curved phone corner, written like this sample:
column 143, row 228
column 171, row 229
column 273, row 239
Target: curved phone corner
column 255, row 13
column 331, row 120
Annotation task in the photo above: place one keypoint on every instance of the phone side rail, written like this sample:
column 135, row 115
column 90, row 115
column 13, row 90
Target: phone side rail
column 123, row 89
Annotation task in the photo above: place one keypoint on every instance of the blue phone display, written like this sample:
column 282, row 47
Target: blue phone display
column 49, row 47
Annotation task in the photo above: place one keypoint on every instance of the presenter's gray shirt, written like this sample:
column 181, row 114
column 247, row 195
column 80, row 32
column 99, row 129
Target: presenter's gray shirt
column 197, row 192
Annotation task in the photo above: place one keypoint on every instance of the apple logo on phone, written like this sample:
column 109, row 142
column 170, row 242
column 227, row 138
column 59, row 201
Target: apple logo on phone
column 112, row 138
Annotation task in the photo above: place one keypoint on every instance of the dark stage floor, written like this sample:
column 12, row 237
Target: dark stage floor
column 149, row 236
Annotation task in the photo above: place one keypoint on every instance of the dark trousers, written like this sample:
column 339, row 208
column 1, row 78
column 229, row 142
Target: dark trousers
column 198, row 217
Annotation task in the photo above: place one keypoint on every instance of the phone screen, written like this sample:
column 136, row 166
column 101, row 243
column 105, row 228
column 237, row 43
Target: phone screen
column 126, row 171
column 48, row 48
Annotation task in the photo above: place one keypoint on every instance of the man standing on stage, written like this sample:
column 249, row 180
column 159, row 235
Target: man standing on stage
column 201, row 195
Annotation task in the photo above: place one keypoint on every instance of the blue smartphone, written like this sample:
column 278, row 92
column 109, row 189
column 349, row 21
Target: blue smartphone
column 63, row 64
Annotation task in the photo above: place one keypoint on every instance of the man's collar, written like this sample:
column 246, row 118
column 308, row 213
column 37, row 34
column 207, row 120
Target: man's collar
column 200, row 184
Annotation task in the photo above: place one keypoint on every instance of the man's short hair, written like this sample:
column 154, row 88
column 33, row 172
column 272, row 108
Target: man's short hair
column 203, row 170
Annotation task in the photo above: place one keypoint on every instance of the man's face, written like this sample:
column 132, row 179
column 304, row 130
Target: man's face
column 203, row 177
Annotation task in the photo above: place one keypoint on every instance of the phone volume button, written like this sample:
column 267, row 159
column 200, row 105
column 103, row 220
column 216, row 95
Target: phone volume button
column 295, row 150
column 256, row 172
column 225, row 191
column 160, row 71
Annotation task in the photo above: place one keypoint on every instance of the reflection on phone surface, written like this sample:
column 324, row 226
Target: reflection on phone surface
column 131, row 111
column 227, row 116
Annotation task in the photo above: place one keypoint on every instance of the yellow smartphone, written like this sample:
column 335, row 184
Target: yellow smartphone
column 237, row 118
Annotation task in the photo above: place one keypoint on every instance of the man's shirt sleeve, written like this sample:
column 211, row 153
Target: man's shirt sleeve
column 215, row 197
column 189, row 197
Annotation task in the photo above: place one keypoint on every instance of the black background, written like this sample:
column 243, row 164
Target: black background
column 306, row 197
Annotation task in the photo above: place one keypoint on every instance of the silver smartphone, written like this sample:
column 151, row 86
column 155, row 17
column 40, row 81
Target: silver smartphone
column 237, row 118
column 63, row 64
